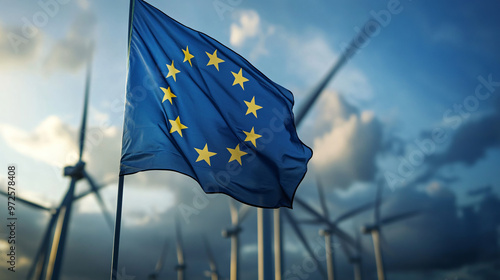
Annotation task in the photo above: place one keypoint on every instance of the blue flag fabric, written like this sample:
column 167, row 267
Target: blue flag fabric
column 196, row 107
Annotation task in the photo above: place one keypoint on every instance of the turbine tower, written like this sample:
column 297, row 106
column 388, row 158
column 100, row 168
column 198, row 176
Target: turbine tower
column 233, row 233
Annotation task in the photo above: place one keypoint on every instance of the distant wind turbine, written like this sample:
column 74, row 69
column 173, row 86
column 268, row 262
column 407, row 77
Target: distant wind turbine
column 354, row 258
column 39, row 265
column 233, row 232
column 375, row 229
column 181, row 265
column 160, row 263
column 213, row 273
column 329, row 231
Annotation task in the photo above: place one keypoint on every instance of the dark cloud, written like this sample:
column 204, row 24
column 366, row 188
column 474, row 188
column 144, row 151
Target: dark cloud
column 19, row 45
column 468, row 145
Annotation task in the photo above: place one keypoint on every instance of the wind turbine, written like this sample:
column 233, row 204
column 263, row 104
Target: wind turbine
column 355, row 44
column 38, row 268
column 181, row 265
column 213, row 274
column 354, row 258
column 160, row 263
column 233, row 232
column 375, row 229
column 294, row 224
column 76, row 173
column 329, row 232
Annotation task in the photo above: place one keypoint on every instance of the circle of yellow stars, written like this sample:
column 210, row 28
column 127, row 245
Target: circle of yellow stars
column 205, row 154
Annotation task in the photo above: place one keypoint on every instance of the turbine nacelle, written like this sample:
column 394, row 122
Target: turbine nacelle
column 75, row 171
column 230, row 232
column 325, row 232
column 366, row 229
column 180, row 267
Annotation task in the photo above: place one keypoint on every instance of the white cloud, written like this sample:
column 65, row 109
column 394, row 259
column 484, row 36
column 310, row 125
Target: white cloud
column 247, row 27
column 346, row 153
column 52, row 142
column 56, row 144
column 311, row 56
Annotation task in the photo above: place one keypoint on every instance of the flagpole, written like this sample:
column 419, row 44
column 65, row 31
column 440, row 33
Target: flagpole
column 119, row 200
column 118, row 223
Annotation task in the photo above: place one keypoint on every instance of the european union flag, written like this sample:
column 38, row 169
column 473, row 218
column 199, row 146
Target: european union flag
column 196, row 107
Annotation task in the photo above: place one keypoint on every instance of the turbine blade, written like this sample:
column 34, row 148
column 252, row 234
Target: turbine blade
column 234, row 212
column 358, row 242
column 322, row 200
column 399, row 217
column 83, row 126
column 100, row 200
column 384, row 244
column 87, row 192
column 378, row 201
column 340, row 233
column 300, row 235
column 346, row 250
column 243, row 213
column 27, row 202
column 161, row 260
column 344, row 57
column 354, row 212
column 310, row 221
column 313, row 212
column 180, row 249
column 211, row 258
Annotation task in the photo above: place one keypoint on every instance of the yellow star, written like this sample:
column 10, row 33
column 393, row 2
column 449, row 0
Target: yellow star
column 214, row 60
column 177, row 126
column 168, row 95
column 236, row 153
column 172, row 71
column 187, row 56
column 252, row 107
column 252, row 136
column 204, row 154
column 239, row 79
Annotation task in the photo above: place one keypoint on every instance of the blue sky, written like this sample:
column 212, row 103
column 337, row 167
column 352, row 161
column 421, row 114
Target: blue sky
column 406, row 84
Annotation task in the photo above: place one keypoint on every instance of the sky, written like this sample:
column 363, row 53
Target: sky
column 417, row 107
